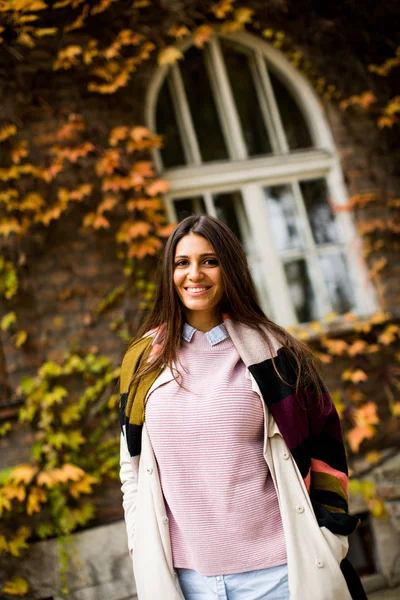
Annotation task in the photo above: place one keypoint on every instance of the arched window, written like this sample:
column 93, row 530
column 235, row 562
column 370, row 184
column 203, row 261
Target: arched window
column 246, row 141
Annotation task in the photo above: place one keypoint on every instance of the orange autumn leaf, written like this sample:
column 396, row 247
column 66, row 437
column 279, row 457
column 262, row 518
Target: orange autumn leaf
column 166, row 230
column 363, row 100
column 357, row 347
column 108, row 162
column 159, row 186
column 354, row 376
column 144, row 168
column 97, row 221
column 7, row 132
column 67, row 472
column 202, row 35
column 117, row 135
column 19, row 150
column 357, row 435
column 144, row 204
column 389, row 334
column 139, row 133
column 366, row 415
column 336, row 347
column 107, row 204
column 135, row 229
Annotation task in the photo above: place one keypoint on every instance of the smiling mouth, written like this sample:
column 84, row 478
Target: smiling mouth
column 197, row 290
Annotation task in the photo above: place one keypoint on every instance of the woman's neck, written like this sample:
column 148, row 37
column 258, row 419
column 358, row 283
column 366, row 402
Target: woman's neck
column 202, row 322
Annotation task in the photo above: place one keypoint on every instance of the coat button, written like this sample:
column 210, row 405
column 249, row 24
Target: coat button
column 319, row 563
column 299, row 509
column 165, row 520
column 285, row 455
column 150, row 471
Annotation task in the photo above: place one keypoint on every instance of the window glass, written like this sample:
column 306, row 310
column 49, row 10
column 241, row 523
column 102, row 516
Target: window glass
column 202, row 106
column 166, row 125
column 296, row 130
column 185, row 207
column 321, row 217
column 283, row 215
column 227, row 207
column 245, row 95
column 335, row 270
column 301, row 291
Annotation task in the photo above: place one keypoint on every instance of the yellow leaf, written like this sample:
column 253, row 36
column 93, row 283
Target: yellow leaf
column 23, row 474
column 37, row 496
column 20, row 338
column 12, row 491
column 243, row 15
column 84, row 486
column 29, row 5
column 5, row 504
column 389, row 335
column 8, row 320
column 7, row 132
column 18, row 541
column 42, row 32
column 178, row 31
column 16, row 587
column 376, row 507
column 169, row 55
column 222, row 8
column 372, row 457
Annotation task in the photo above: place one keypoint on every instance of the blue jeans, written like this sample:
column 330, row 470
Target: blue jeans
column 264, row 584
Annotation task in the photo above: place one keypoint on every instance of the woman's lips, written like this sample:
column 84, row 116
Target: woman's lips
column 197, row 291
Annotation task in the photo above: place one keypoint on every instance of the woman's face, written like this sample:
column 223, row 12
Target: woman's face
column 198, row 277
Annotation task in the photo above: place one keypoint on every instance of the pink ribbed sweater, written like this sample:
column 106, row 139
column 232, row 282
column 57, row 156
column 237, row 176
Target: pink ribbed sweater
column 220, row 499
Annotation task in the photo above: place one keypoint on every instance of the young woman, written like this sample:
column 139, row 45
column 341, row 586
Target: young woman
column 233, row 468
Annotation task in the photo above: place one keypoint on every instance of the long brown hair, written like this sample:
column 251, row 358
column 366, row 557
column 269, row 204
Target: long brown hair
column 239, row 301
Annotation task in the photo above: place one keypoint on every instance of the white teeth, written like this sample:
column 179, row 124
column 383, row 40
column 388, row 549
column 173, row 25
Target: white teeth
column 196, row 289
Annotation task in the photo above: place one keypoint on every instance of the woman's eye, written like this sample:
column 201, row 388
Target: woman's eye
column 211, row 261
column 181, row 263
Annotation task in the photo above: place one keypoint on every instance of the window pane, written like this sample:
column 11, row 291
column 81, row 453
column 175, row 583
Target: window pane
column 227, row 206
column 283, row 214
column 337, row 280
column 166, row 125
column 245, row 95
column 297, row 133
column 301, row 291
column 202, row 106
column 185, row 207
column 320, row 215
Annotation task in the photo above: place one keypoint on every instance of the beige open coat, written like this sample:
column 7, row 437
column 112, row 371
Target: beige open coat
column 313, row 553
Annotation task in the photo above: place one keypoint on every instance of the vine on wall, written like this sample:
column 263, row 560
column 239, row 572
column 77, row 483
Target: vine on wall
column 72, row 404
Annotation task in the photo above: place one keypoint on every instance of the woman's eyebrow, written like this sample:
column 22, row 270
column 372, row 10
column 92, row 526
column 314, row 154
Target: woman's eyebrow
column 201, row 255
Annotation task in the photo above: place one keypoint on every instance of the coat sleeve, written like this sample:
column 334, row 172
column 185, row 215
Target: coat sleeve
column 129, row 468
column 328, row 475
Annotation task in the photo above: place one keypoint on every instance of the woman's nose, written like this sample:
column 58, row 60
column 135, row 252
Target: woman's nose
column 195, row 272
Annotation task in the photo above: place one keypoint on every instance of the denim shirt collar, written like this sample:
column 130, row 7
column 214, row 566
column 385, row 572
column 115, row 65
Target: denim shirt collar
column 214, row 336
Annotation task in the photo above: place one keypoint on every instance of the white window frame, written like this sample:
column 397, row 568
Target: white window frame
column 250, row 174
